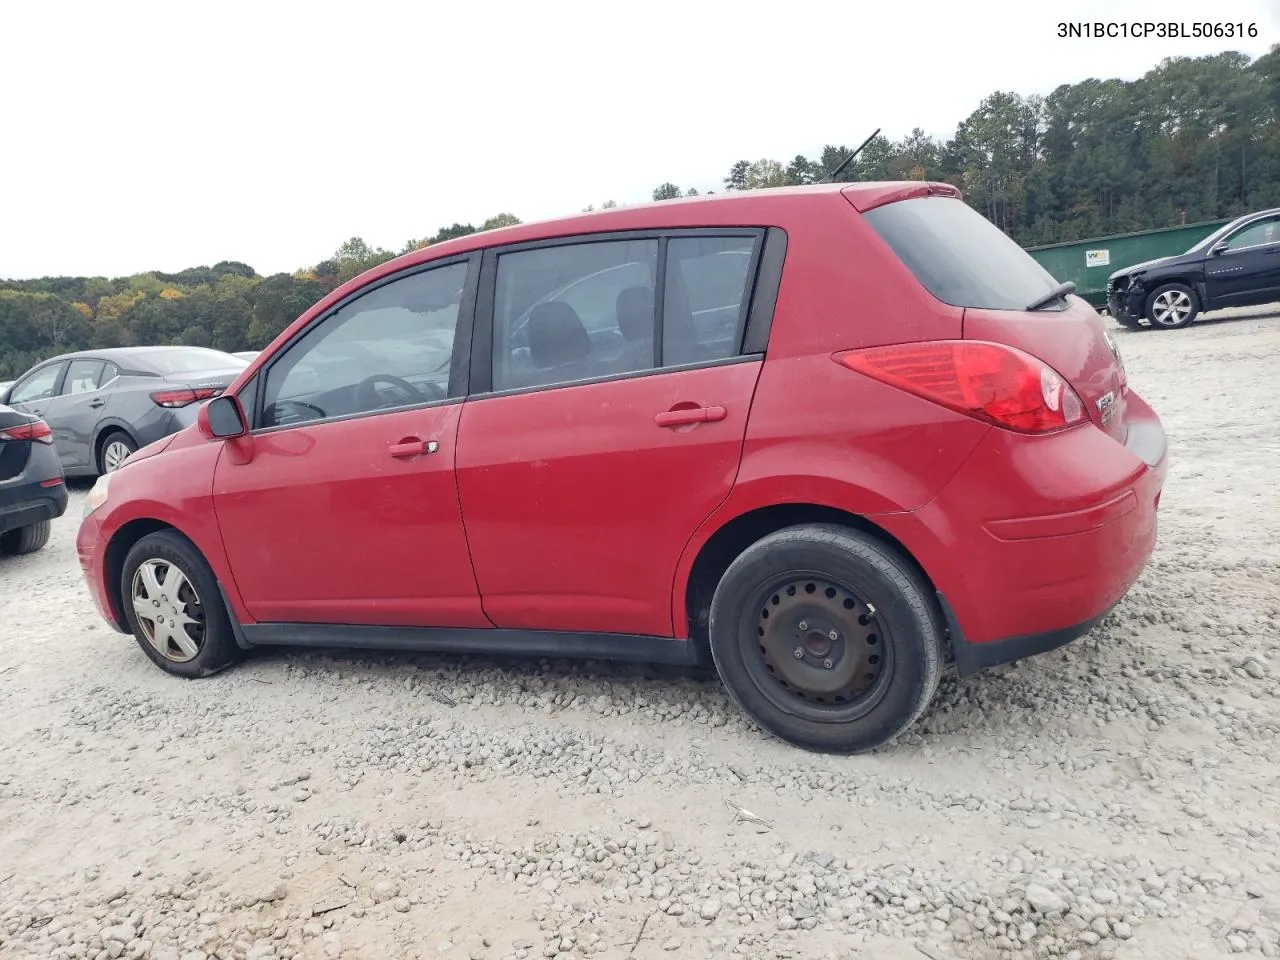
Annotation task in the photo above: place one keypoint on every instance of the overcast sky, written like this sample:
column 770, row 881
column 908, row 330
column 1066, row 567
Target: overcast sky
column 143, row 136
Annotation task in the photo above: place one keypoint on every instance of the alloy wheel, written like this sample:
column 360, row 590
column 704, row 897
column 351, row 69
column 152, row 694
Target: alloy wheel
column 1171, row 308
column 114, row 454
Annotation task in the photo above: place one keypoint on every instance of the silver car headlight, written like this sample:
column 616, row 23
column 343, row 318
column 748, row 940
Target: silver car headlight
column 98, row 495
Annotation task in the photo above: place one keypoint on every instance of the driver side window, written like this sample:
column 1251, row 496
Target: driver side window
column 40, row 385
column 390, row 348
column 1256, row 234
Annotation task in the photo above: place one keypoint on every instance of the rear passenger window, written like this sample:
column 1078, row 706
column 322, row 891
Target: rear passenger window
column 574, row 312
column 83, row 376
column 705, row 297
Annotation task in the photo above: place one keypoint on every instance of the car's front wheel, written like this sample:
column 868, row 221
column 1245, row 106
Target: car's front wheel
column 174, row 608
column 827, row 637
column 1172, row 306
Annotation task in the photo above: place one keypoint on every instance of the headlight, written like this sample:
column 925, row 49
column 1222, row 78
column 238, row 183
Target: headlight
column 98, row 495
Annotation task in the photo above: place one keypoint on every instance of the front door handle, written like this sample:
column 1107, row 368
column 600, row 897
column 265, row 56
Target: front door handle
column 681, row 416
column 412, row 446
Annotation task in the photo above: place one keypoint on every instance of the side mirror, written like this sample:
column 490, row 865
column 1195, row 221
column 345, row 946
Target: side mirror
column 222, row 418
column 5, row 391
column 1219, row 248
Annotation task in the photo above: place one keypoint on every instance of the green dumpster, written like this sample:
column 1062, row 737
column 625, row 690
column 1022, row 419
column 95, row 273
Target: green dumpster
column 1088, row 263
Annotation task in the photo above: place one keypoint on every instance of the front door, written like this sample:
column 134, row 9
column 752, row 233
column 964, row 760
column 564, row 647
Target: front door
column 1248, row 271
column 341, row 505
column 34, row 393
column 587, row 467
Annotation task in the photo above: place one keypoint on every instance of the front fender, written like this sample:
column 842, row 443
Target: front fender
column 174, row 488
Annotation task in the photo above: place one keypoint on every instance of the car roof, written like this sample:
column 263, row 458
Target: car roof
column 119, row 353
column 740, row 208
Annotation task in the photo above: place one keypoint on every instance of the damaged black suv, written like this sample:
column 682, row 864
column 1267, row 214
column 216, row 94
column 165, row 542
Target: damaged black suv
column 1237, row 265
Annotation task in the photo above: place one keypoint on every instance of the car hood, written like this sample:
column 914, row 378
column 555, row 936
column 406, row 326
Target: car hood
column 1142, row 266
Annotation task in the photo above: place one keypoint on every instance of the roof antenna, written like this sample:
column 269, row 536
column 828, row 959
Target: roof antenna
column 845, row 162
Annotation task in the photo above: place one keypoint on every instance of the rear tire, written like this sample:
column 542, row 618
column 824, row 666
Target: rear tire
column 26, row 539
column 174, row 608
column 827, row 637
column 1172, row 306
column 116, row 447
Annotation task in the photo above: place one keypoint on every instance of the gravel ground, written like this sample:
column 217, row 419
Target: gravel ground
column 1114, row 799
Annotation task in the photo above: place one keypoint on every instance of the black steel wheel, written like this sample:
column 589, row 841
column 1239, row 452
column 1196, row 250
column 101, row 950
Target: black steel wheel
column 827, row 637
column 819, row 648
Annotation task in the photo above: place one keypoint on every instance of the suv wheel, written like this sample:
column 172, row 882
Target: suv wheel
column 173, row 607
column 1172, row 306
column 827, row 638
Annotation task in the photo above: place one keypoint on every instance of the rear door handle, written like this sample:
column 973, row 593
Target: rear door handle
column 687, row 415
column 98, row 403
column 412, row 446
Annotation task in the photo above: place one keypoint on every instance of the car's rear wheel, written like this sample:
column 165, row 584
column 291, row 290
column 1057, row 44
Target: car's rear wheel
column 827, row 637
column 174, row 607
column 115, row 449
column 1172, row 306
column 26, row 539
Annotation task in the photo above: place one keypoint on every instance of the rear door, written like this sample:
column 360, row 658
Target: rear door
column 583, row 470
column 75, row 412
column 966, row 261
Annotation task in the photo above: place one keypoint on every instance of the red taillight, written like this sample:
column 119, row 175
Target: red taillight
column 38, row 431
column 989, row 381
column 181, row 398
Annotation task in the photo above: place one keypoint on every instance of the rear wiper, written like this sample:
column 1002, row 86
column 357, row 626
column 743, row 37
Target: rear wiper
column 1057, row 293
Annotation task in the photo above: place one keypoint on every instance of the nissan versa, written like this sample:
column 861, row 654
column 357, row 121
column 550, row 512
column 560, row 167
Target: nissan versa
column 830, row 438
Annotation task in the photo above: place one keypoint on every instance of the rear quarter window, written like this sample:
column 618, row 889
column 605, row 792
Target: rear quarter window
column 960, row 256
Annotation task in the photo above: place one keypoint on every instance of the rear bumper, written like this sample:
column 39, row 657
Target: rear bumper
column 971, row 658
column 37, row 493
column 40, row 503
column 1037, row 538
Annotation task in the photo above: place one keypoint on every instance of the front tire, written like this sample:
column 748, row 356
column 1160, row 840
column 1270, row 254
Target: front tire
column 174, row 608
column 1172, row 306
column 827, row 638
column 26, row 539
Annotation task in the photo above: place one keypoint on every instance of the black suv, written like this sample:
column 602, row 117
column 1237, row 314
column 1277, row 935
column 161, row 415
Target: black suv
column 1235, row 266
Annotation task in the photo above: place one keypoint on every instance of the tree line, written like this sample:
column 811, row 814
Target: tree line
column 1192, row 139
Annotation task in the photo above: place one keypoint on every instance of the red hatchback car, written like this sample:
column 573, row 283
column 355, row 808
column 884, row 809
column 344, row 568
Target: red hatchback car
column 833, row 438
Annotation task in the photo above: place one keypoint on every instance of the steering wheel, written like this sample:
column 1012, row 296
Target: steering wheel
column 291, row 411
column 369, row 397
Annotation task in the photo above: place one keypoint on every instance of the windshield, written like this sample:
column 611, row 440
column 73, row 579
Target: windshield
column 960, row 256
column 1214, row 237
column 189, row 360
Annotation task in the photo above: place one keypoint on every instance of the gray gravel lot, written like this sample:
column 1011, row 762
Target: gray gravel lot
column 1114, row 799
